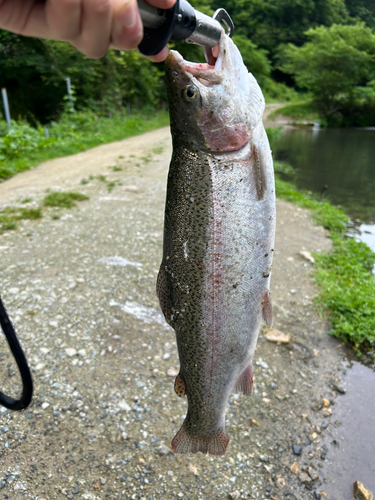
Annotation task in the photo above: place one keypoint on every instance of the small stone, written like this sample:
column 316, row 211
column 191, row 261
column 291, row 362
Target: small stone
column 317, row 495
column 314, row 435
column 274, row 335
column 294, row 468
column 339, row 389
column 324, row 425
column 172, row 372
column 297, row 450
column 293, row 291
column 123, row 405
column 166, row 356
column 327, row 412
column 281, row 482
column 193, row 469
column 235, row 495
column 304, row 478
column 45, row 405
column 313, row 473
column 163, row 450
column 326, row 402
column 307, row 255
column 70, row 351
column 103, row 480
column 360, row 492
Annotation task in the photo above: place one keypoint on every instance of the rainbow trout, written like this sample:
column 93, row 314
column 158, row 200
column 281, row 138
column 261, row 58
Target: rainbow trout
column 214, row 279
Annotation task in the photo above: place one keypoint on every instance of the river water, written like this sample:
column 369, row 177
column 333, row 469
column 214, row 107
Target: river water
column 340, row 165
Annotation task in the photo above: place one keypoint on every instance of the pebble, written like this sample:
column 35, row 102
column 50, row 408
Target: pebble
column 163, row 450
column 304, row 478
column 339, row 388
column 123, row 405
column 235, row 495
column 313, row 473
column 297, row 450
column 70, row 351
column 360, row 492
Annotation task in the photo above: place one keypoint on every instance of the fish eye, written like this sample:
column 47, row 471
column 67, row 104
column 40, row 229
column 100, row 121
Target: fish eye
column 190, row 93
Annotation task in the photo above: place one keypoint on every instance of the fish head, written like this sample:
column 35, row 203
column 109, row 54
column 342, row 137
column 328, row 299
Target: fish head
column 215, row 107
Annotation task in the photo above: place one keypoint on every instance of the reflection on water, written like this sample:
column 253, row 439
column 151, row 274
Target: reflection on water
column 337, row 163
column 351, row 458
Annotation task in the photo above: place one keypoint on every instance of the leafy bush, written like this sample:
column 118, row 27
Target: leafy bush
column 21, row 139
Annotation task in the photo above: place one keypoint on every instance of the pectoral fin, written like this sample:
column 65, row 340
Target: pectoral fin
column 244, row 383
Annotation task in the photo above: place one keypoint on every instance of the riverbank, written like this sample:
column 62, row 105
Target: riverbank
column 81, row 291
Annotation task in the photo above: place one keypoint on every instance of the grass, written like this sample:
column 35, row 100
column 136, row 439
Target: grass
column 63, row 199
column 344, row 275
column 81, row 131
column 10, row 216
column 298, row 112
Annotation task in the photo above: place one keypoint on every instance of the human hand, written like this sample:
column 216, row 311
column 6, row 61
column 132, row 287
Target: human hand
column 92, row 26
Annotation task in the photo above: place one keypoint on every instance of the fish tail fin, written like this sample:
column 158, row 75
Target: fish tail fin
column 244, row 383
column 185, row 442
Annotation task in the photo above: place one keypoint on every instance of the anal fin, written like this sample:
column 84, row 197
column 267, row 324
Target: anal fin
column 267, row 313
column 244, row 383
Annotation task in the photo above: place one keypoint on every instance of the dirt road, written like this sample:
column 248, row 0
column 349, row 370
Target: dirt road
column 81, row 292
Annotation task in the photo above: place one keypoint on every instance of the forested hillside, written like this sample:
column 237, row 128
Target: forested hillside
column 323, row 47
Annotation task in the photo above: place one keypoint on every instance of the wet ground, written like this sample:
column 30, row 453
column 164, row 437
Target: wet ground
column 81, row 292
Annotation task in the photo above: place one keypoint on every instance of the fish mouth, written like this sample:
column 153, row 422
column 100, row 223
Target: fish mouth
column 209, row 73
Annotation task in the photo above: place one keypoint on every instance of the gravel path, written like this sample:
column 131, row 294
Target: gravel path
column 81, row 292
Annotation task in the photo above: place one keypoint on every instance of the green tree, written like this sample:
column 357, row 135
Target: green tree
column 34, row 72
column 332, row 64
column 272, row 22
column 363, row 9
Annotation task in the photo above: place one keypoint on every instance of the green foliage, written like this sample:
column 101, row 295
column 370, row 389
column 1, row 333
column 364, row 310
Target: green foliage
column 34, row 72
column 21, row 139
column 63, row 199
column 362, row 9
column 333, row 66
column 268, row 24
column 348, row 290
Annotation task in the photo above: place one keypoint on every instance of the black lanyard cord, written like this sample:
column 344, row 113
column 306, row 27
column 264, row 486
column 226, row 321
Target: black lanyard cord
column 15, row 347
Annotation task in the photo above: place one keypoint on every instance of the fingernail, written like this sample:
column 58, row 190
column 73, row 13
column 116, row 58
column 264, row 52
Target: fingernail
column 129, row 17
